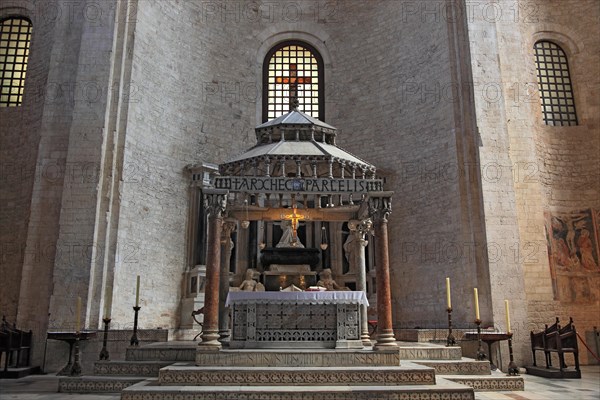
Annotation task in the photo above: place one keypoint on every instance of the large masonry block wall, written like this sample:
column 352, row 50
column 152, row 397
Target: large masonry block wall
column 394, row 92
column 19, row 140
column 552, row 169
column 567, row 173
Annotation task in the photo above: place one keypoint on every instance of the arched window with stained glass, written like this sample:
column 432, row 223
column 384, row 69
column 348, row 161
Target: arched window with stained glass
column 15, row 36
column 293, row 70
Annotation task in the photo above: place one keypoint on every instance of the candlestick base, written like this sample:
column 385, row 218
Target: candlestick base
column 76, row 367
column 104, row 355
column 513, row 370
column 481, row 356
column 450, row 341
column 134, row 339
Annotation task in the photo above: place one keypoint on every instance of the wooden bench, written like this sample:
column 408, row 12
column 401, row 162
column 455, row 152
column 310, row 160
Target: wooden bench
column 538, row 342
column 564, row 341
column 14, row 344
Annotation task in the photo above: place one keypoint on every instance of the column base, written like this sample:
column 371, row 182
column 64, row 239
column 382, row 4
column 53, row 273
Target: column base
column 366, row 340
column 385, row 340
column 210, row 339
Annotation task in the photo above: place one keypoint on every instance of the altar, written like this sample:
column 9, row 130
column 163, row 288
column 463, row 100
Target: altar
column 296, row 319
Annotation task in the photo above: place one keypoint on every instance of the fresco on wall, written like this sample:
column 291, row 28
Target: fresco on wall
column 573, row 252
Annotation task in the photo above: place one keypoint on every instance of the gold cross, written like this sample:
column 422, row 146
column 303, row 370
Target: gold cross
column 293, row 80
column 294, row 217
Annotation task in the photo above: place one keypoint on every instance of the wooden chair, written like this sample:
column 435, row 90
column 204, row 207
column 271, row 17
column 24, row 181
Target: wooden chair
column 562, row 341
column 538, row 342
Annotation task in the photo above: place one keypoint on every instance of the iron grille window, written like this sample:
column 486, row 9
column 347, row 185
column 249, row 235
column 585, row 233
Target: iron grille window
column 15, row 36
column 554, row 81
column 293, row 69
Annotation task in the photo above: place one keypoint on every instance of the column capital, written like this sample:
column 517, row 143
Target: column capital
column 360, row 228
column 380, row 206
column 229, row 226
column 215, row 202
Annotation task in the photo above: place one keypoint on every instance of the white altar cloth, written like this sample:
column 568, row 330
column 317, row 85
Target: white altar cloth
column 339, row 297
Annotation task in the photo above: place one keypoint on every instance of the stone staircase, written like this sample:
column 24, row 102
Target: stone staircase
column 176, row 370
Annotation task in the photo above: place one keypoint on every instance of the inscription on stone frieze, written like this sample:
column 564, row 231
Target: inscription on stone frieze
column 308, row 185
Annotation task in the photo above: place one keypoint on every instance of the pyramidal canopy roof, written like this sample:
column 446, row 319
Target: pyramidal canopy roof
column 295, row 117
column 294, row 136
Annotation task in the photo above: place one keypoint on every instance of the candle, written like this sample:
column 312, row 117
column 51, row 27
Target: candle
column 448, row 293
column 476, row 295
column 107, row 302
column 78, row 318
column 507, row 316
column 137, row 291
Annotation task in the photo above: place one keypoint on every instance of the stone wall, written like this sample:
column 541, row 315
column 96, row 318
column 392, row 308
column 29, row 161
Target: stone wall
column 126, row 94
column 552, row 169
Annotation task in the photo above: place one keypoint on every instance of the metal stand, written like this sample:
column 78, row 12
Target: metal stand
column 480, row 353
column 134, row 339
column 76, row 368
column 104, row 352
column 512, row 367
column 450, row 341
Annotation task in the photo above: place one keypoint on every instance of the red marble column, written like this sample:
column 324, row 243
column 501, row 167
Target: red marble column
column 226, row 248
column 380, row 208
column 215, row 205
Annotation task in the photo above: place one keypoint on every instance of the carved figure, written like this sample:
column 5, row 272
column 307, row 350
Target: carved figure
column 251, row 284
column 327, row 281
column 288, row 239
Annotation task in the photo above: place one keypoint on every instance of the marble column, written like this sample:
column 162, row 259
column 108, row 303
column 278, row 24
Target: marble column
column 214, row 203
column 358, row 229
column 380, row 207
column 226, row 249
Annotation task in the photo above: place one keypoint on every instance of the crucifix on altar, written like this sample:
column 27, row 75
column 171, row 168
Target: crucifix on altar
column 290, row 239
column 293, row 80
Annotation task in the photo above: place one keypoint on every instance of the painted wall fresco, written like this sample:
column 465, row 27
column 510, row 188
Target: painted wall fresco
column 573, row 251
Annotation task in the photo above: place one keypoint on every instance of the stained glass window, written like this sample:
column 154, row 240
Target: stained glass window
column 554, row 81
column 15, row 36
column 293, row 70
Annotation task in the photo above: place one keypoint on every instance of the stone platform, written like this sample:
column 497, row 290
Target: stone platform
column 147, row 390
column 180, row 370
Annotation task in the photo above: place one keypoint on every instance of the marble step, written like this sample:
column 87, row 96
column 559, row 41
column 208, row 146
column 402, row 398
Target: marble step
column 191, row 375
column 298, row 358
column 129, row 368
column 97, row 384
column 151, row 390
column 495, row 382
column 465, row 366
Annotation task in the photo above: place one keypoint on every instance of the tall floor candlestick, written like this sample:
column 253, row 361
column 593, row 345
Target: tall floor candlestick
column 450, row 341
column 134, row 339
column 104, row 355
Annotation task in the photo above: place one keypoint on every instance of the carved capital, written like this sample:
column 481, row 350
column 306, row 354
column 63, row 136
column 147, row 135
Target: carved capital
column 226, row 230
column 215, row 203
column 360, row 228
column 380, row 208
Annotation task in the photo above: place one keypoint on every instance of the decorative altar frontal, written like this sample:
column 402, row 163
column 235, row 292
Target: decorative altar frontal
column 296, row 319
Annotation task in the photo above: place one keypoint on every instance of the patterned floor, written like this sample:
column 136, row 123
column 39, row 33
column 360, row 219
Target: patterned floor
column 536, row 388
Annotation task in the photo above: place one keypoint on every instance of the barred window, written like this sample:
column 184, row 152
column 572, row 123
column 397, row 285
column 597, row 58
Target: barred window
column 554, row 81
column 15, row 36
column 292, row 70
